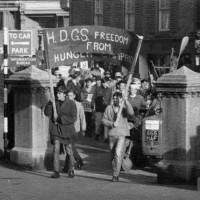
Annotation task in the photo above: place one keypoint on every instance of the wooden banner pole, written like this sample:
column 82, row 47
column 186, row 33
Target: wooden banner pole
column 130, row 74
column 52, row 96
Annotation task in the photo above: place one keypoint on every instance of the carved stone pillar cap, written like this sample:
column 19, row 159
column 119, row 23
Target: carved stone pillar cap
column 183, row 80
column 31, row 75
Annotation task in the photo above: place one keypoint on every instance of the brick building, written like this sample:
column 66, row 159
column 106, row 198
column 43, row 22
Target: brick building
column 33, row 15
column 163, row 23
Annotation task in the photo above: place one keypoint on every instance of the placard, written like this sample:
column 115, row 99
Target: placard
column 152, row 125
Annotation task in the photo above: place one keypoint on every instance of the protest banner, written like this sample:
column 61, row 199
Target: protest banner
column 67, row 45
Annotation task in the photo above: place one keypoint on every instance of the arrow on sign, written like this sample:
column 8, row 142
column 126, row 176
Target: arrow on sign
column 19, row 43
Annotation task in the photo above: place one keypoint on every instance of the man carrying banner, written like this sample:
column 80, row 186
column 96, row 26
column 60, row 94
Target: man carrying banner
column 62, row 130
column 80, row 126
column 118, row 130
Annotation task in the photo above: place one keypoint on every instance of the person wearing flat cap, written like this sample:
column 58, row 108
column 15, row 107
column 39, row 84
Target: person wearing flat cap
column 107, row 73
column 109, row 81
column 118, row 78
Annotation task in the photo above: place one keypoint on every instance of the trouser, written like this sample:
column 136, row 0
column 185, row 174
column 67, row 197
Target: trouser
column 98, row 122
column 88, row 119
column 77, row 157
column 105, row 132
column 56, row 155
column 117, row 148
column 137, row 155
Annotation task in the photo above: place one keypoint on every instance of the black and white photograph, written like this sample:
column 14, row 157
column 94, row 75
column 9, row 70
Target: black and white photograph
column 99, row 99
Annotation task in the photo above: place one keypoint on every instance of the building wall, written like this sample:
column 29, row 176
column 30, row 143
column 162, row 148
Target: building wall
column 182, row 22
column 144, row 68
column 34, row 26
column 82, row 13
column 10, row 21
column 186, row 17
column 34, row 23
column 182, row 18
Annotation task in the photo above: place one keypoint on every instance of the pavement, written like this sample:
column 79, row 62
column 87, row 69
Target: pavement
column 93, row 182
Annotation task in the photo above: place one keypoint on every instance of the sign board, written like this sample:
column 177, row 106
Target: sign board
column 152, row 125
column 77, row 43
column 152, row 136
column 84, row 65
column 22, row 61
column 20, row 43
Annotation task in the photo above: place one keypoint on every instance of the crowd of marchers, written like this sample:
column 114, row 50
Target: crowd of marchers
column 90, row 105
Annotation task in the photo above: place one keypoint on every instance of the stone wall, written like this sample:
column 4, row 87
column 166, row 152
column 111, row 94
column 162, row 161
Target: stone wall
column 181, row 125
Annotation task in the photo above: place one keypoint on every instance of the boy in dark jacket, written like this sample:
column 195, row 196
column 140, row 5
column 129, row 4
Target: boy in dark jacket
column 62, row 130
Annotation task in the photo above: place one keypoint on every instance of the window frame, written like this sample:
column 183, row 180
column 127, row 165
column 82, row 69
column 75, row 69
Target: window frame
column 129, row 12
column 98, row 12
column 164, row 10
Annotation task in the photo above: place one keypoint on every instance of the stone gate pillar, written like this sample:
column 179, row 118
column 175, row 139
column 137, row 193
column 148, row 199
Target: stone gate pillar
column 31, row 126
column 181, row 125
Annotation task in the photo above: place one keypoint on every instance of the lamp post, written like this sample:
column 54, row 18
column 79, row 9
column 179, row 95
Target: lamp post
column 5, row 71
column 7, row 6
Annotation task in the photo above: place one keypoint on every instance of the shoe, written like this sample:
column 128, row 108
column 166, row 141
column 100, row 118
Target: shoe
column 55, row 175
column 96, row 137
column 64, row 170
column 79, row 166
column 106, row 140
column 71, row 174
column 115, row 178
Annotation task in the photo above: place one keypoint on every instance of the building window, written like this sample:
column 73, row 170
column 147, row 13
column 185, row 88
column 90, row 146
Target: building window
column 60, row 21
column 130, row 14
column 98, row 20
column 164, row 15
column 45, row 21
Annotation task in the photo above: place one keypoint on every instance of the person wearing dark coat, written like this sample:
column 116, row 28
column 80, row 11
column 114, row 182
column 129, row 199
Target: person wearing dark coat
column 101, row 99
column 62, row 130
column 80, row 126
